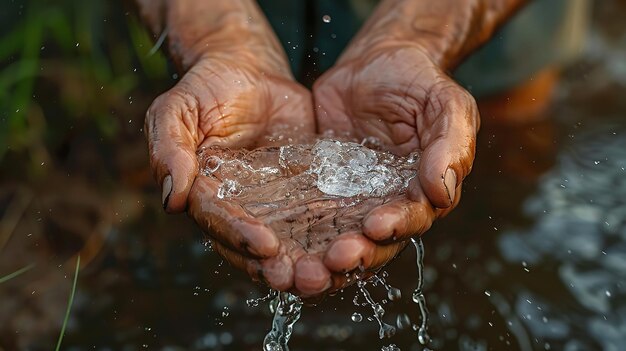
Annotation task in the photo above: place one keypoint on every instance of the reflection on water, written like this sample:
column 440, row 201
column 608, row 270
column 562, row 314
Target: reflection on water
column 579, row 231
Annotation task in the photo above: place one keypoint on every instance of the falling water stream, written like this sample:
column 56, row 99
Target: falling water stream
column 280, row 187
column 287, row 308
column 418, row 293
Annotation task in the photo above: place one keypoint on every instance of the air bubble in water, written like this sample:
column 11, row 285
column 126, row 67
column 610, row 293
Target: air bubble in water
column 326, row 18
column 356, row 317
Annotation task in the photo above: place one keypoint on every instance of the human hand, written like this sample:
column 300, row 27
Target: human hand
column 398, row 94
column 227, row 101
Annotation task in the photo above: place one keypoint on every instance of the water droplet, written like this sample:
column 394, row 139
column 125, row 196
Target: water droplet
column 394, row 294
column 326, row 18
column 287, row 312
column 403, row 321
column 356, row 317
column 422, row 336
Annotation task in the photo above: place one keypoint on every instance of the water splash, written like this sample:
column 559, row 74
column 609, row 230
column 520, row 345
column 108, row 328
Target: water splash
column 287, row 311
column 385, row 330
column 256, row 301
column 356, row 317
column 418, row 294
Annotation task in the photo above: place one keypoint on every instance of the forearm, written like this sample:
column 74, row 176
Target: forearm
column 197, row 29
column 447, row 29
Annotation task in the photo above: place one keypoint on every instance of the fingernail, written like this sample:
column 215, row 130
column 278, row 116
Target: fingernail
column 167, row 190
column 450, row 183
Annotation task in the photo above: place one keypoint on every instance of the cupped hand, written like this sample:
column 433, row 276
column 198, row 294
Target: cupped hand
column 229, row 101
column 396, row 93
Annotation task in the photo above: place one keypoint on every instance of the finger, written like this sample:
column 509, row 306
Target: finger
column 352, row 251
column 384, row 254
column 229, row 223
column 311, row 276
column 400, row 219
column 279, row 272
column 450, row 146
column 172, row 147
column 442, row 212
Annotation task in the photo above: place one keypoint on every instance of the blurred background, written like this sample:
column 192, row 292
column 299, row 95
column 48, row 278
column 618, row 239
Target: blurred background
column 534, row 258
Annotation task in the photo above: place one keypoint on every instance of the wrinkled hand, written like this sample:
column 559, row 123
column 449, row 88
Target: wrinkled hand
column 398, row 95
column 227, row 102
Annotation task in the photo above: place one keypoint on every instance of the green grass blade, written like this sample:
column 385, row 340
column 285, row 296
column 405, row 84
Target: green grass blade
column 69, row 304
column 16, row 273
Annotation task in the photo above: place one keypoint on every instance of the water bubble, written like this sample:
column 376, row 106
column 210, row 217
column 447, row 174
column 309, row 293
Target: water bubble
column 356, row 317
column 422, row 336
column 403, row 321
column 225, row 312
column 326, row 18
column 394, row 294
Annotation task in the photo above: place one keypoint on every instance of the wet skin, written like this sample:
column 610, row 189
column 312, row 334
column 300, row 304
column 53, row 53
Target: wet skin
column 392, row 89
column 195, row 113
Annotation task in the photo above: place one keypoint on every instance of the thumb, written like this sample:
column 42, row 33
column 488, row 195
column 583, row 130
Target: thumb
column 172, row 147
column 447, row 158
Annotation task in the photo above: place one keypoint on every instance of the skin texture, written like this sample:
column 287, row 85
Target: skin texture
column 391, row 83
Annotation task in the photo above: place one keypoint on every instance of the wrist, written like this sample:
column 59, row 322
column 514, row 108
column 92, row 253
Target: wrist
column 235, row 30
column 447, row 30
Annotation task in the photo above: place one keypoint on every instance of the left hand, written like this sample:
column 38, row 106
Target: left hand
column 398, row 94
